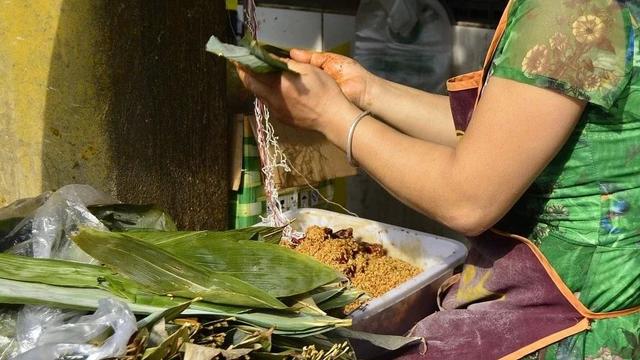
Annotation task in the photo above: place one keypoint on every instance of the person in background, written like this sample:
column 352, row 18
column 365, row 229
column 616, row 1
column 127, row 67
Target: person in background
column 542, row 173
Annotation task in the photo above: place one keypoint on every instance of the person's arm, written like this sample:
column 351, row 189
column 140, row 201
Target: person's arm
column 515, row 132
column 413, row 112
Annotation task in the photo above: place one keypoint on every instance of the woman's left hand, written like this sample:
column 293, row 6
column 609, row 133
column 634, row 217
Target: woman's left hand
column 308, row 98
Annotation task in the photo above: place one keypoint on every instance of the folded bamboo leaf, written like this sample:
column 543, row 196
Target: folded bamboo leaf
column 293, row 324
column 277, row 270
column 306, row 304
column 64, row 273
column 262, row 52
column 162, row 273
column 245, row 56
column 320, row 297
column 343, row 299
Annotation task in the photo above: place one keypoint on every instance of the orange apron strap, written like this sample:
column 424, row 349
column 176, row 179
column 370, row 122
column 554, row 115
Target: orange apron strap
column 502, row 26
column 551, row 339
column 564, row 289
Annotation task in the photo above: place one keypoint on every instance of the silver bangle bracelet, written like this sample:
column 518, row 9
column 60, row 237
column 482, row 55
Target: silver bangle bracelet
column 352, row 129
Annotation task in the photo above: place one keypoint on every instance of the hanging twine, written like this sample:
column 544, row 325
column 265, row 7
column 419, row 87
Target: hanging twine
column 272, row 157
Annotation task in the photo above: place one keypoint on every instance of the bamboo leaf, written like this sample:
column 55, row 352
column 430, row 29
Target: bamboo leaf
column 165, row 302
column 263, row 54
column 64, row 273
column 322, row 296
column 342, row 300
column 388, row 342
column 168, row 315
column 306, row 304
column 164, row 274
column 279, row 271
column 245, row 57
column 287, row 324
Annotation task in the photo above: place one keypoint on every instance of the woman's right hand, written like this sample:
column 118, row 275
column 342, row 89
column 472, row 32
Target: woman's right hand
column 354, row 80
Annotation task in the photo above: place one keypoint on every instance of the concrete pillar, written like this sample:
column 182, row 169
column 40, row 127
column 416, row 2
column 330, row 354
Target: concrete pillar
column 119, row 95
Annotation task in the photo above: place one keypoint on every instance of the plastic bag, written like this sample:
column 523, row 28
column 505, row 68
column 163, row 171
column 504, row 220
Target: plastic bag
column 67, row 333
column 63, row 212
column 45, row 224
column 16, row 220
column 8, row 344
column 405, row 41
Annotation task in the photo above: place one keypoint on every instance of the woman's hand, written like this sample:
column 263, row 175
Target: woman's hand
column 413, row 112
column 354, row 80
column 309, row 98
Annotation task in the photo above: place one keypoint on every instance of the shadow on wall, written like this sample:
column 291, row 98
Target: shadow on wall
column 135, row 106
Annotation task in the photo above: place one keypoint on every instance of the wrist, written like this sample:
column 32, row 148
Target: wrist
column 336, row 126
column 372, row 92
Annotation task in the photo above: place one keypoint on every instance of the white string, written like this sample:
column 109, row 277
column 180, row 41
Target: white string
column 273, row 158
column 319, row 193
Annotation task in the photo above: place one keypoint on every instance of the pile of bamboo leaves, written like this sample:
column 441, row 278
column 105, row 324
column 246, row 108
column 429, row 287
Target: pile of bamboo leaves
column 206, row 295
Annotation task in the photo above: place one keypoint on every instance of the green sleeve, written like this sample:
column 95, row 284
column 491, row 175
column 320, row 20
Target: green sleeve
column 581, row 48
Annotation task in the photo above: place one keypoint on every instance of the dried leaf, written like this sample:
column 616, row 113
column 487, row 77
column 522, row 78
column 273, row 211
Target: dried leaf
column 199, row 352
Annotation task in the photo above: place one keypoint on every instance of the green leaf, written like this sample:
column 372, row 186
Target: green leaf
column 273, row 268
column 165, row 302
column 162, row 273
column 252, row 57
column 343, row 299
column 123, row 217
column 168, row 315
column 320, row 297
column 263, row 54
column 306, row 304
column 64, row 273
column 388, row 342
column 286, row 324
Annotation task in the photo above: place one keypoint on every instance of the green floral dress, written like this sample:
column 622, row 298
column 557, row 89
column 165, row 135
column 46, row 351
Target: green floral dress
column 583, row 211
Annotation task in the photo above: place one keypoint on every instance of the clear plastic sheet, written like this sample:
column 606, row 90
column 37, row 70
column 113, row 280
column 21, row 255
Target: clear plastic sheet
column 53, row 222
column 44, row 226
column 405, row 41
column 68, row 333
column 8, row 344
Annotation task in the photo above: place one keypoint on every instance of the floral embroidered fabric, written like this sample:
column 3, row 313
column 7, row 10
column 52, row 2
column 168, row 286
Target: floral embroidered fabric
column 583, row 211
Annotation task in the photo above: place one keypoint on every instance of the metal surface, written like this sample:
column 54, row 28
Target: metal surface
column 399, row 309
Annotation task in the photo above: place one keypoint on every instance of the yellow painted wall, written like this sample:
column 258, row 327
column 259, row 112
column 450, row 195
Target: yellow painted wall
column 117, row 94
column 52, row 117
